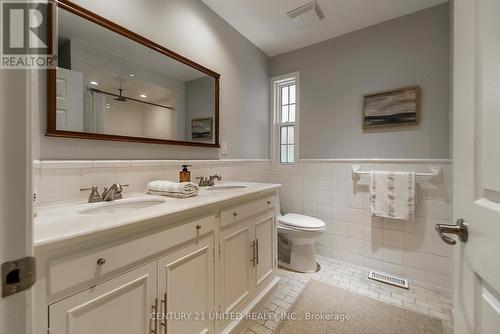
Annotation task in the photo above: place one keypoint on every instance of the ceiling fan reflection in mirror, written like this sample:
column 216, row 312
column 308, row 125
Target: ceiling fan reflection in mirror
column 121, row 98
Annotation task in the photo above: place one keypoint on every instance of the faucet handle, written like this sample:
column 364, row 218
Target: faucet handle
column 94, row 195
column 90, row 188
column 202, row 182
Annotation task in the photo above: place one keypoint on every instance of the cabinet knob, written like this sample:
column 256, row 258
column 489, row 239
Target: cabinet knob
column 268, row 202
column 198, row 227
column 235, row 214
column 101, row 261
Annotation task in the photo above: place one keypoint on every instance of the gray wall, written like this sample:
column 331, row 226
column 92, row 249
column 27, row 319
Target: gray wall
column 193, row 30
column 334, row 75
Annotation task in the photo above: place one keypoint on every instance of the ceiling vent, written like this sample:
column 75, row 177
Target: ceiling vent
column 306, row 15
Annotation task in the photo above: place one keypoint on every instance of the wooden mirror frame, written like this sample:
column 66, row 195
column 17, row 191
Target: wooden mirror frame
column 103, row 22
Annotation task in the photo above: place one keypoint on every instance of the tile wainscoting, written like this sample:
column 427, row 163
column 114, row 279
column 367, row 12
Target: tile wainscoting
column 60, row 181
column 320, row 188
column 326, row 189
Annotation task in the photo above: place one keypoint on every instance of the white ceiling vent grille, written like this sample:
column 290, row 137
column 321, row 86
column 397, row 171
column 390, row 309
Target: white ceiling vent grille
column 306, row 15
column 389, row 279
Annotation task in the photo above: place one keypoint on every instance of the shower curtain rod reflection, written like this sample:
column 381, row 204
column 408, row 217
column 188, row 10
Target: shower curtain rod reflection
column 129, row 98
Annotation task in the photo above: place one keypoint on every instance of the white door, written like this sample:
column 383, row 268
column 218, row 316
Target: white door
column 187, row 289
column 476, row 118
column 264, row 235
column 122, row 305
column 16, row 310
column 237, row 270
column 69, row 96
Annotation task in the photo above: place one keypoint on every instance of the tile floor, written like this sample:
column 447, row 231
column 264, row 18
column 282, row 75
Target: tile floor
column 353, row 278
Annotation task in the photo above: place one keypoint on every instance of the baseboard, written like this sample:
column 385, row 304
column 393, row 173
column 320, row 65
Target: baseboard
column 237, row 325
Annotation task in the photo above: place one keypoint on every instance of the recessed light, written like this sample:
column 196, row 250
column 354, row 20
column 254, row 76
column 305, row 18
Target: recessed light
column 94, row 83
column 132, row 75
column 143, row 96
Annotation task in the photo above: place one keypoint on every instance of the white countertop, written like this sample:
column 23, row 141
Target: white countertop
column 62, row 222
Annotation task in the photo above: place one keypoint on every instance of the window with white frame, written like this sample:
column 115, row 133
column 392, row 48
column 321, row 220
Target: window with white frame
column 285, row 94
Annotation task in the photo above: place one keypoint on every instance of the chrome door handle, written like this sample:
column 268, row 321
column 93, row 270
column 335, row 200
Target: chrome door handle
column 154, row 310
column 163, row 322
column 257, row 251
column 460, row 229
column 254, row 257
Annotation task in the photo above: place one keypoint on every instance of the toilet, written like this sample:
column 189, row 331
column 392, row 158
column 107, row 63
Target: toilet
column 296, row 236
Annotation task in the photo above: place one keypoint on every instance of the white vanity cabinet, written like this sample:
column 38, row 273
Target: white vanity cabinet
column 186, row 289
column 236, row 268
column 266, row 247
column 190, row 271
column 120, row 305
column 180, row 284
column 248, row 253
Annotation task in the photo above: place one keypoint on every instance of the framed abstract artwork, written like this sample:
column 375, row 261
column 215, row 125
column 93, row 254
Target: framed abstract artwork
column 201, row 129
column 392, row 108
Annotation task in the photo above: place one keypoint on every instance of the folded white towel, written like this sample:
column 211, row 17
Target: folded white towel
column 172, row 189
column 392, row 195
column 174, row 195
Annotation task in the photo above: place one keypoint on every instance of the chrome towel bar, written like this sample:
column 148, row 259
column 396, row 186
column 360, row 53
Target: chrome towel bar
column 436, row 172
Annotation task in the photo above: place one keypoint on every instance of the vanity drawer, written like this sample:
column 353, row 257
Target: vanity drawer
column 77, row 269
column 240, row 212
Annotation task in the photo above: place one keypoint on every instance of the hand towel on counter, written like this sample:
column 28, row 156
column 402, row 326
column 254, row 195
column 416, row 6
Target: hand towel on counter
column 393, row 195
column 172, row 189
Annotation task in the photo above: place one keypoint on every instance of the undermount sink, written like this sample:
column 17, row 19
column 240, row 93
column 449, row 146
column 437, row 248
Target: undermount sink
column 225, row 187
column 119, row 207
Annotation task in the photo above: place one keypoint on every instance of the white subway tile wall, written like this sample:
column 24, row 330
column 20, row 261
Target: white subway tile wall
column 326, row 190
column 60, row 181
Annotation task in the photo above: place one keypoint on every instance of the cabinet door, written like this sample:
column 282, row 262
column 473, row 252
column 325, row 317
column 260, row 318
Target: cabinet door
column 186, row 289
column 236, row 268
column 265, row 236
column 121, row 305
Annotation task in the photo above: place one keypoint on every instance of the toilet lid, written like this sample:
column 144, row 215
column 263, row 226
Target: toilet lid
column 295, row 220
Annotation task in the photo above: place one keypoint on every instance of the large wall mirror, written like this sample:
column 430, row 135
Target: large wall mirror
column 113, row 84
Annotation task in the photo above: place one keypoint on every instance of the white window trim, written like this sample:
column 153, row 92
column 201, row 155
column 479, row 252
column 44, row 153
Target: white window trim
column 274, row 128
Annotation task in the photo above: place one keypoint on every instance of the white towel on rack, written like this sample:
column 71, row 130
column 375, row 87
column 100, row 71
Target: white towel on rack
column 393, row 195
column 172, row 189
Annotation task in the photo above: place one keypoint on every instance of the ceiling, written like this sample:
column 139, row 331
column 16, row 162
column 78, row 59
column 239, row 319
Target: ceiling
column 265, row 23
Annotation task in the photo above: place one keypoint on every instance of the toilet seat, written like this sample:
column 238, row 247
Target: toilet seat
column 296, row 222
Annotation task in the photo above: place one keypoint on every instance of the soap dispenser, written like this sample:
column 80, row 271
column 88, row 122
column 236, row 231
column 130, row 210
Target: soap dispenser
column 185, row 174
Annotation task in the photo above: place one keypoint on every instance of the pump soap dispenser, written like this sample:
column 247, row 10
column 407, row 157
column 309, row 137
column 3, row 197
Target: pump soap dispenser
column 185, row 174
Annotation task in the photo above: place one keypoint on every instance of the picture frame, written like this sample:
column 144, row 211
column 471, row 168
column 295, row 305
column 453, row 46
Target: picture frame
column 202, row 129
column 396, row 107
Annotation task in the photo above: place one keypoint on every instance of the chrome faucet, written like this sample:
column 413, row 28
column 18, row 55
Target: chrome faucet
column 212, row 178
column 209, row 181
column 113, row 192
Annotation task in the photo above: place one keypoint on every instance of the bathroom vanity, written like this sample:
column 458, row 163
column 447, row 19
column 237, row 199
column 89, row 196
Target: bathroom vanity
column 117, row 267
